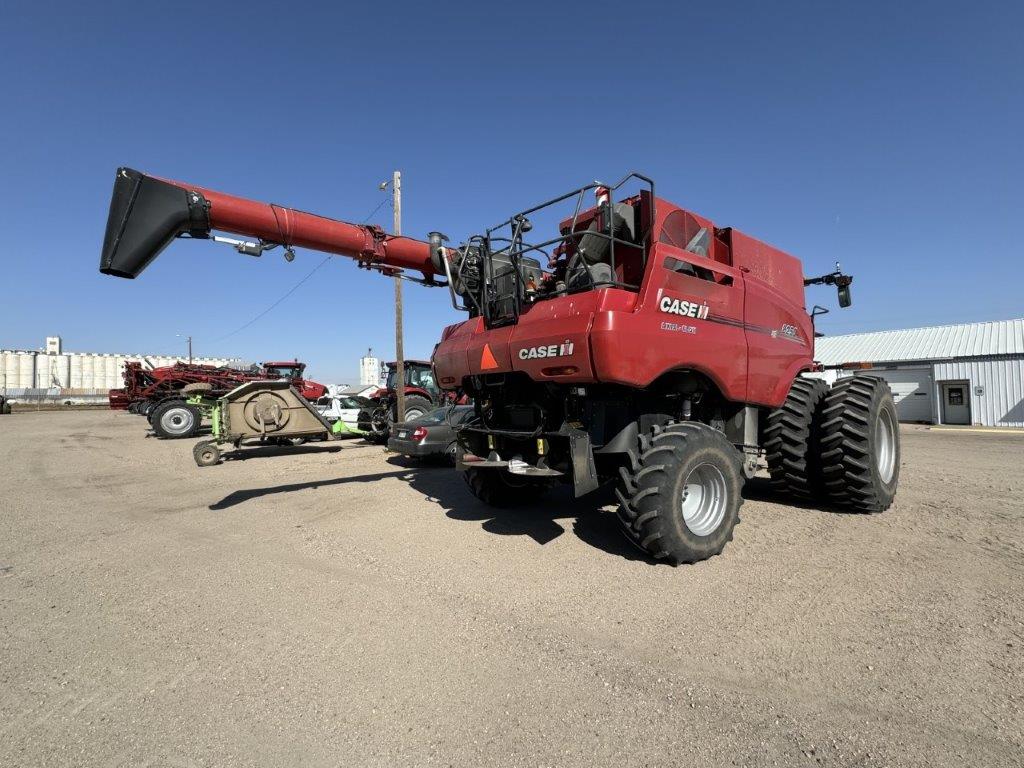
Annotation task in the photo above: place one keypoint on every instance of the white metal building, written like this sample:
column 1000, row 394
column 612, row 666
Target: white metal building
column 75, row 376
column 951, row 374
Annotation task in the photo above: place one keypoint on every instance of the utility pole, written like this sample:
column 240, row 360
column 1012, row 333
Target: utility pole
column 189, row 339
column 396, row 197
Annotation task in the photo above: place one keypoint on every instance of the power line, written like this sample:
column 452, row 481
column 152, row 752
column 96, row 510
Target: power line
column 297, row 285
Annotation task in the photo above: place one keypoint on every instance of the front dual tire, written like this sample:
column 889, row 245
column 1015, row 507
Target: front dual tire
column 838, row 445
column 860, row 444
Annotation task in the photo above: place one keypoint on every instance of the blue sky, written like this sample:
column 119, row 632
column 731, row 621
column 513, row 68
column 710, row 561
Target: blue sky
column 887, row 136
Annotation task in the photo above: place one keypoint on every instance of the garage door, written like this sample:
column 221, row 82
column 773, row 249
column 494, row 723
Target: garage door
column 912, row 389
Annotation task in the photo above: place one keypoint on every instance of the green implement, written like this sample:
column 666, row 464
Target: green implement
column 261, row 413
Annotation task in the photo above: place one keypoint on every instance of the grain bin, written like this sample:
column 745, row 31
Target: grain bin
column 88, row 371
column 75, row 369
column 42, row 372
column 26, row 370
column 10, row 370
column 60, row 371
column 110, row 368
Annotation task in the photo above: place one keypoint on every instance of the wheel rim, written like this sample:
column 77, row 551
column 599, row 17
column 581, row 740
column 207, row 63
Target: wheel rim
column 885, row 445
column 413, row 413
column 178, row 420
column 705, row 498
column 379, row 422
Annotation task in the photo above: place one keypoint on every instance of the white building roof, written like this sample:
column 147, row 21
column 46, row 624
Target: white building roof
column 1002, row 337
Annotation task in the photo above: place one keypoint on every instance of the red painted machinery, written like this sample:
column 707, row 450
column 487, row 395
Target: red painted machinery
column 422, row 394
column 158, row 393
column 635, row 342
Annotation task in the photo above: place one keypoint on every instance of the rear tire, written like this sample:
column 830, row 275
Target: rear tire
column 681, row 501
column 498, row 488
column 380, row 426
column 860, row 444
column 791, row 440
column 415, row 406
column 176, row 419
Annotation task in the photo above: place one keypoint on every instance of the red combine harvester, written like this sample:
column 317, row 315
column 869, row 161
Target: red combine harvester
column 158, row 393
column 635, row 343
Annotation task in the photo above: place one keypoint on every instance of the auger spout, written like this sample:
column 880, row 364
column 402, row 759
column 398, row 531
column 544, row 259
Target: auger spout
column 147, row 213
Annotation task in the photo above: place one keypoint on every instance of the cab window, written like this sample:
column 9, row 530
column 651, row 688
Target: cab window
column 683, row 231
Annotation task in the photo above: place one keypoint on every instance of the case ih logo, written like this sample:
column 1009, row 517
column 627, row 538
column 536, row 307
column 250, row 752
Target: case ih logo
column 684, row 308
column 552, row 350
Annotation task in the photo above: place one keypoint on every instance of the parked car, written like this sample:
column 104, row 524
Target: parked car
column 342, row 408
column 430, row 435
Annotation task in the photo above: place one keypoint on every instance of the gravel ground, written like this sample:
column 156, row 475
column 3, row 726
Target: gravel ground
column 335, row 607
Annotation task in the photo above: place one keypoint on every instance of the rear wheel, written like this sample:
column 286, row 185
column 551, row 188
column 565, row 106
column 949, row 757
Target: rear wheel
column 415, row 406
column 175, row 419
column 499, row 488
column 681, row 500
column 791, row 440
column 860, row 444
column 380, row 426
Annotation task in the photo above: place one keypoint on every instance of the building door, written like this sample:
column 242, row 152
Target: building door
column 912, row 390
column 956, row 402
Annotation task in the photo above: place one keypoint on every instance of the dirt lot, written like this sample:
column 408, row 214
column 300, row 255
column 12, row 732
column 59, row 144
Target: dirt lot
column 332, row 607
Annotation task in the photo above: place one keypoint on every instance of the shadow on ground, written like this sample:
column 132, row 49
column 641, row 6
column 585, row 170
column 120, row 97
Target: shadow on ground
column 760, row 489
column 264, row 451
column 204, row 431
column 543, row 522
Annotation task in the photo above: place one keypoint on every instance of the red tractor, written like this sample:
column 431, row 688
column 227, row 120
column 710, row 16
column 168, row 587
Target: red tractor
column 159, row 393
column 422, row 394
column 634, row 343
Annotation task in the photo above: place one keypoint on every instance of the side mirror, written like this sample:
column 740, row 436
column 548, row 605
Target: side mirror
column 844, row 295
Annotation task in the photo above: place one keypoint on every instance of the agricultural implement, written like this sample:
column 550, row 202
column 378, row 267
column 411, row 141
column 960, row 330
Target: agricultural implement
column 635, row 343
column 157, row 393
column 262, row 412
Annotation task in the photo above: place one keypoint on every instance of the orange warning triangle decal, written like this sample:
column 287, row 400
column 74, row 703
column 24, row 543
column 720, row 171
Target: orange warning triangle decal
column 487, row 361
